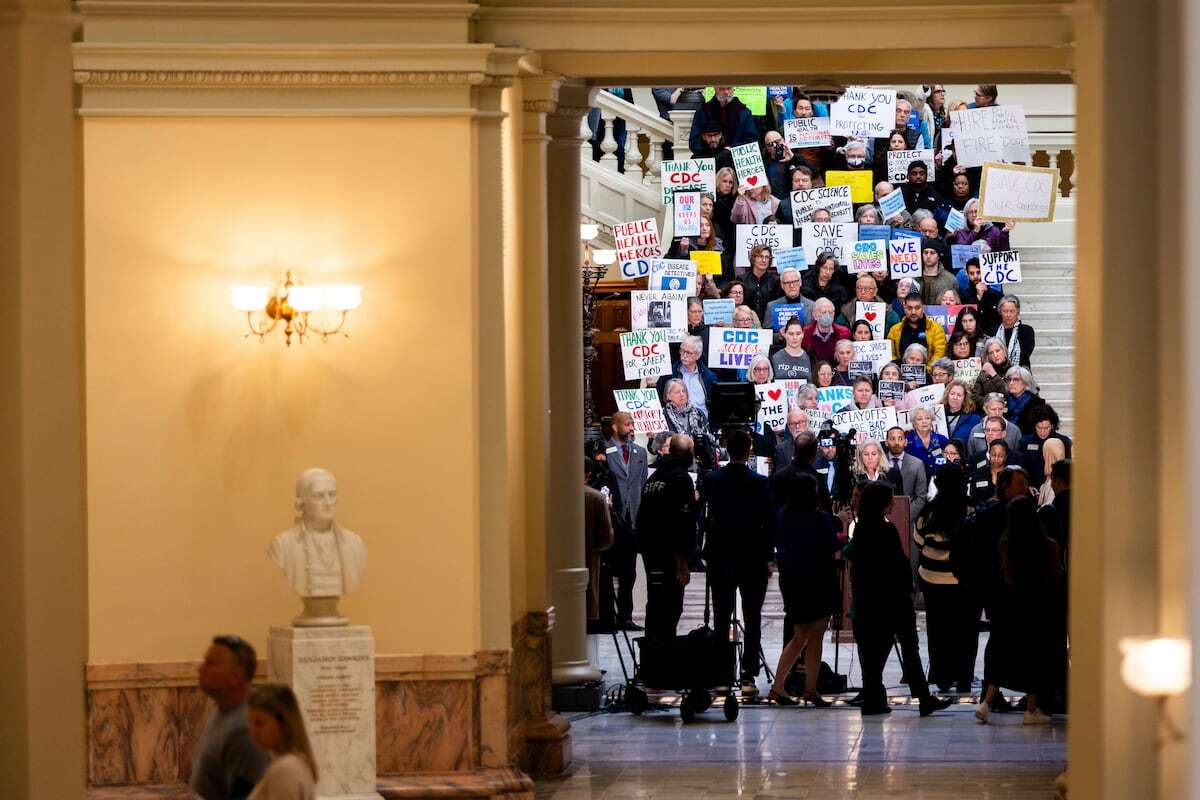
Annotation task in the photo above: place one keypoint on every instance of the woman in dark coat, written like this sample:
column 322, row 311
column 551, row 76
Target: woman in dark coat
column 881, row 577
column 806, row 543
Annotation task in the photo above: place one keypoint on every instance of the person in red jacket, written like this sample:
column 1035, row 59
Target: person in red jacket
column 822, row 334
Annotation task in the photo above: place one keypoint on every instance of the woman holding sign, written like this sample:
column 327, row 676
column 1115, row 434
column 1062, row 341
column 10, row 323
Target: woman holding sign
column 979, row 230
column 753, row 206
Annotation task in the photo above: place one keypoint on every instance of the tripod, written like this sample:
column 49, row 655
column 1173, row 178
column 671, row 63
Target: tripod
column 740, row 639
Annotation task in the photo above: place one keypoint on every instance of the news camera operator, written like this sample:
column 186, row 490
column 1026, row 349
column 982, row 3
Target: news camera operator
column 739, row 546
column 666, row 525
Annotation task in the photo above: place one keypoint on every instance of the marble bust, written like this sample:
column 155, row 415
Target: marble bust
column 321, row 559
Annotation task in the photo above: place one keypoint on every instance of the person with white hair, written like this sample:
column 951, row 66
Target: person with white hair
column 790, row 282
column 822, row 334
column 924, row 442
column 1023, row 399
column 1016, row 336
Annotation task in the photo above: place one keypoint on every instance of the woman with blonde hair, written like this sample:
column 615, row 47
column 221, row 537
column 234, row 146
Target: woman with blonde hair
column 277, row 727
column 744, row 317
column 752, row 206
column 869, row 461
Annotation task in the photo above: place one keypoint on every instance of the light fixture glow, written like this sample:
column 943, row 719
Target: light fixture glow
column 604, row 257
column 588, row 231
column 1156, row 667
column 249, row 298
column 343, row 297
column 290, row 302
column 305, row 298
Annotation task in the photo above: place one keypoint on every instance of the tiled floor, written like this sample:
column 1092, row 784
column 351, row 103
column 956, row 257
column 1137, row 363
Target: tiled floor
column 807, row 753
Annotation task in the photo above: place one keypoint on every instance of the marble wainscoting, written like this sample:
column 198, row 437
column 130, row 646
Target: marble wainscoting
column 442, row 727
column 538, row 739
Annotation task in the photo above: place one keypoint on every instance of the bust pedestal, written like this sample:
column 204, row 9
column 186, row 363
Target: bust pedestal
column 332, row 672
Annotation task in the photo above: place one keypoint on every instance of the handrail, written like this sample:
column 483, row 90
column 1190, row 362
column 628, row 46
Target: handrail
column 643, row 119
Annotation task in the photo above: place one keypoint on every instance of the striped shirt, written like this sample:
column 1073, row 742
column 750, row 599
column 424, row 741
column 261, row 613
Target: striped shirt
column 934, row 566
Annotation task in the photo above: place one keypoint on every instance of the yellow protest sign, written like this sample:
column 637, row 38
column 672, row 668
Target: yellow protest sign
column 707, row 261
column 859, row 181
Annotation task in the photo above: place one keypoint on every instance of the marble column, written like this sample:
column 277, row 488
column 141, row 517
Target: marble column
column 42, row 495
column 568, row 576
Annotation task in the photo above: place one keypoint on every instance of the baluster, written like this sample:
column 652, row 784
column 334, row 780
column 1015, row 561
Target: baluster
column 633, row 151
column 608, row 145
column 653, row 175
column 682, row 122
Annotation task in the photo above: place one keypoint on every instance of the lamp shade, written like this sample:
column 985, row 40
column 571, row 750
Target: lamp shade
column 249, row 298
column 604, row 257
column 343, row 296
column 305, row 298
column 1156, row 667
column 588, row 231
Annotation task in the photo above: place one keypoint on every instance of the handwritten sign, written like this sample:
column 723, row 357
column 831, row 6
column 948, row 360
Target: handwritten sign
column 834, row 199
column 864, row 111
column 904, row 420
column 636, row 242
column 960, row 254
column 810, row 132
column 898, row 161
column 877, row 351
column 645, row 354
column 875, row 314
column 868, row 255
column 735, row 348
column 904, row 255
column 926, row 396
column 773, row 405
column 1000, row 266
column 816, row 418
column 995, row 133
column 831, row 399
column 718, row 311
column 748, row 164
column 869, row 424
column 686, row 213
column 967, row 369
column 693, row 175
column 892, row 205
column 749, row 235
column 645, row 408
column 955, row 221
column 786, row 311
column 672, row 275
column 790, row 257
column 859, row 181
column 667, row 310
column 707, row 261
column 1012, row 193
column 836, row 238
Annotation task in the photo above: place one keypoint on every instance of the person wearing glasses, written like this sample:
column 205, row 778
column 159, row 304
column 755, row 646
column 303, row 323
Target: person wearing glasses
column 226, row 764
column 789, row 282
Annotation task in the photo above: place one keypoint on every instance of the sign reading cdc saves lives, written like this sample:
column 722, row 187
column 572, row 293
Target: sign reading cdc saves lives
column 735, row 348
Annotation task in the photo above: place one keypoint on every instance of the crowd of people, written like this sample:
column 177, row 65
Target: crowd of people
column 985, row 470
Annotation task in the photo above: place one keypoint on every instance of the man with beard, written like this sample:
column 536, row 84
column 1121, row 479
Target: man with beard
column 736, row 121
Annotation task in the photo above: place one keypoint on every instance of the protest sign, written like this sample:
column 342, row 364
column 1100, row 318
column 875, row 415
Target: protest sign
column 859, row 181
column 792, row 386
column 778, row 91
column 672, row 275
column 735, row 348
column 995, row 133
column 686, row 210
column 754, row 97
column 859, row 369
column 837, row 238
column 707, row 261
column 748, row 164
column 875, row 314
column 952, row 312
column 645, row 354
column 876, row 351
column 864, row 111
column 694, row 175
column 810, row 132
column 816, row 418
column 834, row 199
column 905, row 233
column 1012, row 193
column 960, row 254
column 645, row 408
column 891, row 205
column 718, row 311
column 636, row 243
column 955, row 221
column 786, row 311
column 660, row 310
column 904, row 255
column 904, row 420
column 898, row 161
column 868, row 423
column 1000, row 266
column 790, row 257
column 947, row 141
column 927, row 396
column 967, row 370
column 914, row 373
column 890, row 390
column 773, row 405
column 938, row 313
column 831, row 399
column 883, row 232
column 868, row 256
column 774, row 236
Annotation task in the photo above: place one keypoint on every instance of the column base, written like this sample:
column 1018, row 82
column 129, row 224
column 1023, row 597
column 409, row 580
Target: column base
column 573, row 673
column 547, row 748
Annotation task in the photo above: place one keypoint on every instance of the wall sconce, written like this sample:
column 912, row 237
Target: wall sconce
column 604, row 258
column 588, row 231
column 292, row 302
column 1158, row 668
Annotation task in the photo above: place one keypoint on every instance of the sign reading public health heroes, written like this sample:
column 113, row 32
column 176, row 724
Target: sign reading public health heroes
column 646, row 354
column 863, row 111
column 1000, row 266
column 735, row 348
column 645, row 408
column 748, row 164
column 637, row 243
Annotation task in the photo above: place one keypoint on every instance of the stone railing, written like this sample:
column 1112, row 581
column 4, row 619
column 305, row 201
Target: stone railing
column 646, row 133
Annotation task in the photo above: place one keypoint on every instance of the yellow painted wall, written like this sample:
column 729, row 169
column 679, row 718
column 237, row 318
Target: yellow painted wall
column 196, row 434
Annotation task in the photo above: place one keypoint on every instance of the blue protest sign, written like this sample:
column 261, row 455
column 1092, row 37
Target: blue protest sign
column 960, row 254
column 785, row 312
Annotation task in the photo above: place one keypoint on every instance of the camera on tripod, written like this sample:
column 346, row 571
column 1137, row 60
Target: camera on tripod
column 844, row 450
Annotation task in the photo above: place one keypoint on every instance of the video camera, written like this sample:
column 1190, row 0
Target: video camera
column 843, row 482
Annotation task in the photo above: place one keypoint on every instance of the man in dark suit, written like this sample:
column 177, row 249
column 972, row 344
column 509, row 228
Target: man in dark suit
column 627, row 461
column 739, row 548
column 804, row 455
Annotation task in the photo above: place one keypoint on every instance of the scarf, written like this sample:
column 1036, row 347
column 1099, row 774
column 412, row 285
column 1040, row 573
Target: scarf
column 1013, row 344
column 683, row 420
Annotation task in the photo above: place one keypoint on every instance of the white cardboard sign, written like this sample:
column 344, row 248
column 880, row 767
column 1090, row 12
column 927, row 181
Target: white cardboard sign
column 672, row 275
column 810, row 132
column 665, row 310
column 774, row 236
column 1017, row 193
column 686, row 209
column 773, row 405
column 835, row 199
column 693, row 175
column 735, row 348
column 875, row 314
column 904, row 419
column 898, row 161
column 645, row 354
column 864, row 111
column 868, row 423
column 645, row 408
column 904, row 255
column 837, row 238
column 995, row 133
column 1000, row 266
column 876, row 351
column 636, row 243
column 748, row 164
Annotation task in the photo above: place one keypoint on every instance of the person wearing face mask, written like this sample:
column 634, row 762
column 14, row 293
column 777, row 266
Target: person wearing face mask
column 736, row 121
column 854, row 156
column 666, row 522
column 822, row 334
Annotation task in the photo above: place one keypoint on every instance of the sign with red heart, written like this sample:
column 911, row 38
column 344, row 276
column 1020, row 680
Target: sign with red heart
column 874, row 313
column 748, row 164
column 774, row 393
column 772, row 405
